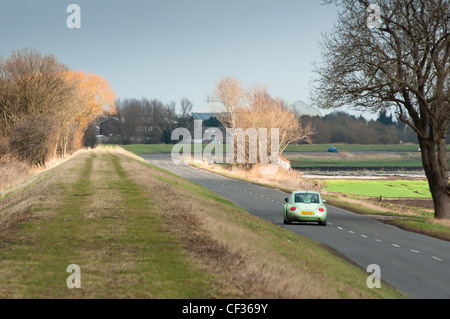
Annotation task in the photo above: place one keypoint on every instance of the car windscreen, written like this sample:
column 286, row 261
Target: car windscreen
column 306, row 198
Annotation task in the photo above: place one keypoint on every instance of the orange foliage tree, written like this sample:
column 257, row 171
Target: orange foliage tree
column 36, row 88
column 92, row 98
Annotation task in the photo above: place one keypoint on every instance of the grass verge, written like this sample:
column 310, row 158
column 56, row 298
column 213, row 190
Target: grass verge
column 122, row 249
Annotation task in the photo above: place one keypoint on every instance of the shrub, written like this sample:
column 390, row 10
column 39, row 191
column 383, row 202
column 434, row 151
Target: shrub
column 32, row 138
column 4, row 146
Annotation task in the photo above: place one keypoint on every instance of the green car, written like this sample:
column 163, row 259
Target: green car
column 305, row 206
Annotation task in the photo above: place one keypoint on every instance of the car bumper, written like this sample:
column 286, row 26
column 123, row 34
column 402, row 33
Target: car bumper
column 298, row 217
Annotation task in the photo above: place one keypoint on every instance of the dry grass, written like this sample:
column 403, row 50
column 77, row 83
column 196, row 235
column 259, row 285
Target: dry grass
column 441, row 222
column 371, row 206
column 12, row 171
column 15, row 174
column 33, row 202
column 283, row 179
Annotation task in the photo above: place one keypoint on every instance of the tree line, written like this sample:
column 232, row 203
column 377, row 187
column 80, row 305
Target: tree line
column 45, row 107
column 144, row 121
column 152, row 122
column 341, row 127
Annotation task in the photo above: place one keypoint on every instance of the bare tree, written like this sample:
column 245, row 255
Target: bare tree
column 395, row 54
column 129, row 112
column 185, row 119
column 30, row 84
column 186, row 107
column 229, row 91
column 256, row 112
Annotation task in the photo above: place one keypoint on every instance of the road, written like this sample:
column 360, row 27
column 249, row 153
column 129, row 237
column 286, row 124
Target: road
column 416, row 264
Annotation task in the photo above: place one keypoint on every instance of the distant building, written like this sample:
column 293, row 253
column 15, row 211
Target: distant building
column 284, row 163
column 203, row 116
column 109, row 126
column 208, row 111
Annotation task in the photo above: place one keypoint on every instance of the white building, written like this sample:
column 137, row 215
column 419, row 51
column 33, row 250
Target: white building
column 284, row 163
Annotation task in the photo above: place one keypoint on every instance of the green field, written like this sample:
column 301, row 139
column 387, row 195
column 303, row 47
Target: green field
column 376, row 188
column 357, row 159
column 140, row 149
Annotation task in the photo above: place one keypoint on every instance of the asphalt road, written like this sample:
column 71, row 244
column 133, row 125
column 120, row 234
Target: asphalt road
column 415, row 264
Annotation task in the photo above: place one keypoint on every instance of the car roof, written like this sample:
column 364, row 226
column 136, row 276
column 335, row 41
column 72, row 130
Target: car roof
column 306, row 191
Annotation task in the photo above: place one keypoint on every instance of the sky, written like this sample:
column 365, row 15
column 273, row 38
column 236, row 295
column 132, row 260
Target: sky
column 169, row 49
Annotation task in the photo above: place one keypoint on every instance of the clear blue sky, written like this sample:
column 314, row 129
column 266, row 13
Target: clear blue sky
column 169, row 49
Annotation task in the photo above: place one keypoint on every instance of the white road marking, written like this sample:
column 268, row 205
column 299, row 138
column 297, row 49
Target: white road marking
column 378, row 240
column 395, row 245
column 415, row 251
column 340, row 228
column 364, row 236
column 434, row 257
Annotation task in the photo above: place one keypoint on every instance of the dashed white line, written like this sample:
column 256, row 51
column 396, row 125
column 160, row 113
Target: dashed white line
column 340, row 228
column 364, row 236
column 395, row 245
column 434, row 257
column 351, row 231
column 415, row 251
column 378, row 240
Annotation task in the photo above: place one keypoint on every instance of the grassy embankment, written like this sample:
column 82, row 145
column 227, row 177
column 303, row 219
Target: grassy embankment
column 137, row 231
column 355, row 195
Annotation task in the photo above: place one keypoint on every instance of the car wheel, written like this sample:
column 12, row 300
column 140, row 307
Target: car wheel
column 324, row 223
column 286, row 222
